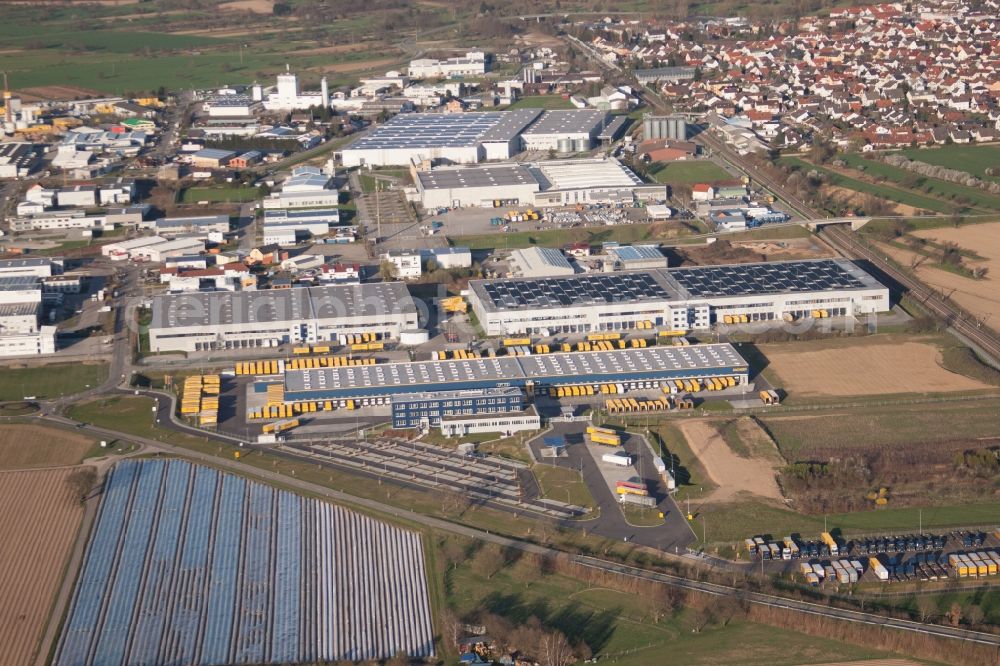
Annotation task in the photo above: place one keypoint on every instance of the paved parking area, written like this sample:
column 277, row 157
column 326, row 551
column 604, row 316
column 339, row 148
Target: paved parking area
column 674, row 534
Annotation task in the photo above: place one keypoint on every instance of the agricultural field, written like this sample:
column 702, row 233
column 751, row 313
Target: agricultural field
column 193, row 554
column 979, row 297
column 965, row 157
column 873, row 365
column 39, row 522
column 50, row 381
column 691, row 171
column 24, row 446
column 49, row 50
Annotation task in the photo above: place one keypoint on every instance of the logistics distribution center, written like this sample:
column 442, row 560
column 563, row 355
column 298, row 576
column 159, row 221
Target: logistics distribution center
column 223, row 320
column 424, row 392
column 680, row 299
column 468, row 138
column 541, row 184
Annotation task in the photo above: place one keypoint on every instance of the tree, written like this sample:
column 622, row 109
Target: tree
column 388, row 270
column 975, row 615
column 926, row 609
column 955, row 614
column 555, row 650
column 488, row 561
column 81, row 482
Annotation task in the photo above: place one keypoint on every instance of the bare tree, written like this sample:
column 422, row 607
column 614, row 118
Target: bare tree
column 81, row 482
column 555, row 650
column 926, row 609
column 975, row 615
column 488, row 561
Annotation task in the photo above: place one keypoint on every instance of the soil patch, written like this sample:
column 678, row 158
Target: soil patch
column 863, row 368
column 733, row 473
column 25, row 446
column 39, row 521
column 357, row 66
column 255, row 6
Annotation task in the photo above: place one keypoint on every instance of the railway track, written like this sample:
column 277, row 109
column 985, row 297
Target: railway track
column 804, row 607
column 957, row 318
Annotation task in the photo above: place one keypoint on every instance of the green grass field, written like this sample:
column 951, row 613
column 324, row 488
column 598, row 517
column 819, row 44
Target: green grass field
column 563, row 485
column 691, row 171
column 86, row 47
column 620, row 628
column 542, row 102
column 219, row 194
column 965, row 157
column 938, row 188
column 796, row 436
column 50, row 381
column 891, row 193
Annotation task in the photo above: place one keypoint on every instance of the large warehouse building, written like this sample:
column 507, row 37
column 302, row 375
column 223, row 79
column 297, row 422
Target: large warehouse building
column 541, row 184
column 468, row 138
column 460, row 138
column 397, row 383
column 224, row 320
column 680, row 299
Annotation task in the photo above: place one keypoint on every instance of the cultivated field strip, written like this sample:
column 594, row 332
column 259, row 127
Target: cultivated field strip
column 39, row 521
column 188, row 565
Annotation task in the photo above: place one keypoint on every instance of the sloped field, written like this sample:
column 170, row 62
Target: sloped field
column 188, row 565
column 39, row 521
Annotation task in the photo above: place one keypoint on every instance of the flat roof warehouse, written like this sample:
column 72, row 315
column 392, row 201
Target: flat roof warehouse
column 518, row 371
column 673, row 284
column 279, row 305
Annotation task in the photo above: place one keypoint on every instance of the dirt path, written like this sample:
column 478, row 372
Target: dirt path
column 733, row 473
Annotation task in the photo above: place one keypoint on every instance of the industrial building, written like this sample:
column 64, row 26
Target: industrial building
column 39, row 267
column 635, row 257
column 202, row 224
column 410, row 382
column 541, row 184
column 21, row 308
column 473, row 63
column 287, row 227
column 195, row 322
column 458, row 138
column 539, row 262
column 17, row 160
column 664, row 127
column 288, row 97
column 664, row 74
column 566, row 131
column 678, row 299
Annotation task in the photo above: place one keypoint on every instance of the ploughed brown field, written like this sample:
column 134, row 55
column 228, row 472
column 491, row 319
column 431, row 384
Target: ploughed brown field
column 39, row 523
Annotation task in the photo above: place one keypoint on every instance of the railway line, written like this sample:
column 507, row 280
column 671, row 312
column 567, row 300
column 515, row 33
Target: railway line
column 964, row 323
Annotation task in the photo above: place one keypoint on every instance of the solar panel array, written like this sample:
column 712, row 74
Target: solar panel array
column 750, row 279
column 187, row 565
column 430, row 130
column 621, row 364
column 584, row 290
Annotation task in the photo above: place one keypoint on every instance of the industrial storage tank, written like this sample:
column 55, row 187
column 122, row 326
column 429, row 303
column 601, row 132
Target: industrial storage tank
column 565, row 145
column 413, row 337
column 582, row 145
